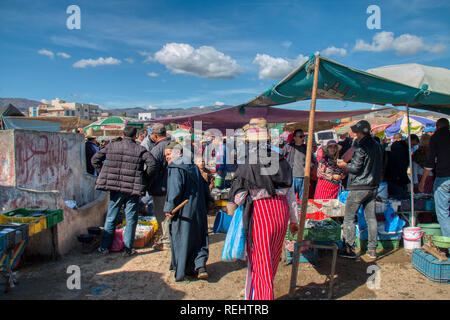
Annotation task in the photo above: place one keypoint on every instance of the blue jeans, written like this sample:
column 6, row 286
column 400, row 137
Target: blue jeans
column 116, row 200
column 298, row 186
column 442, row 203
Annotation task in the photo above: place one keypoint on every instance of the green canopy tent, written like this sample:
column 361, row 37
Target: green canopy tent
column 113, row 124
column 322, row 78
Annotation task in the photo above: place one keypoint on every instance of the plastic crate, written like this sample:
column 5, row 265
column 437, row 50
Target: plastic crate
column 22, row 231
column 386, row 245
column 430, row 266
column 144, row 241
column 7, row 239
column 145, row 223
column 54, row 217
column 36, row 224
column 323, row 234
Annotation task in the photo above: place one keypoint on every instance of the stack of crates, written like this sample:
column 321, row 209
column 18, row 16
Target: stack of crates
column 11, row 234
column 38, row 220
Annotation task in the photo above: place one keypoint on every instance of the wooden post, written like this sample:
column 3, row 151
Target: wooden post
column 413, row 218
column 306, row 181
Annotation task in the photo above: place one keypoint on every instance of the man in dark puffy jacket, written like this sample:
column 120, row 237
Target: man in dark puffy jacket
column 365, row 170
column 122, row 174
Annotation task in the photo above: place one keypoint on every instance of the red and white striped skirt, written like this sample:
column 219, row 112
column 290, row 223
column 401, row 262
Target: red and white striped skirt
column 270, row 221
column 326, row 190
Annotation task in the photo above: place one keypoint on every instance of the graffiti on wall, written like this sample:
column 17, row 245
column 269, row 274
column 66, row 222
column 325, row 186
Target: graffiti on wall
column 41, row 159
column 6, row 166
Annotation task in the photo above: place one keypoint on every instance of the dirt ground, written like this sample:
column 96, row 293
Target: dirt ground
column 147, row 276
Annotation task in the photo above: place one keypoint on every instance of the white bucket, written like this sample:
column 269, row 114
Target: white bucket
column 412, row 238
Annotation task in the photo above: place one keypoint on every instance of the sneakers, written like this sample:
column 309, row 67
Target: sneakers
column 160, row 247
column 128, row 252
column 102, row 250
column 202, row 274
column 347, row 252
column 371, row 254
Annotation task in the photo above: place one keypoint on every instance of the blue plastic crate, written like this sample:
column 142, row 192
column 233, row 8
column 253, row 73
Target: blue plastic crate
column 306, row 256
column 430, row 266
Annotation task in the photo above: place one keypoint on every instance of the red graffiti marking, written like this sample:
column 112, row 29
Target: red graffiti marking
column 42, row 157
column 6, row 167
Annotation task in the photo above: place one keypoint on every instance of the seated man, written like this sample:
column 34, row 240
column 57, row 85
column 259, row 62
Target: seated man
column 188, row 228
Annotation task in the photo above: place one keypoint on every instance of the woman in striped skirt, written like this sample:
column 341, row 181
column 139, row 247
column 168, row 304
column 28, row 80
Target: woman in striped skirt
column 269, row 204
column 328, row 173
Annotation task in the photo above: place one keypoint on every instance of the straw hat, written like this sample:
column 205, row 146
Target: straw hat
column 332, row 143
column 256, row 130
column 90, row 133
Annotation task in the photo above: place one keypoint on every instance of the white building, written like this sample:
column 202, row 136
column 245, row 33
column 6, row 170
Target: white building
column 61, row 108
column 145, row 115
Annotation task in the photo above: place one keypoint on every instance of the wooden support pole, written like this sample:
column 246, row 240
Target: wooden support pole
column 306, row 181
column 413, row 216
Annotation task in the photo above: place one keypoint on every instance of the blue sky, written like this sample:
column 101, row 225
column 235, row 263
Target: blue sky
column 169, row 54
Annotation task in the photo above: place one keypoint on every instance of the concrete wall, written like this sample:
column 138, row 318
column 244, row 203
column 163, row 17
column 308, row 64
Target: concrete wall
column 43, row 169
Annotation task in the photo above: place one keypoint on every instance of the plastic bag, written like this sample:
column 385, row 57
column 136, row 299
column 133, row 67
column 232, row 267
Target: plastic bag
column 117, row 244
column 383, row 191
column 393, row 223
column 234, row 246
column 343, row 196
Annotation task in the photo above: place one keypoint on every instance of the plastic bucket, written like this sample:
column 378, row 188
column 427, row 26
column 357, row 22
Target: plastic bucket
column 431, row 229
column 412, row 238
column 222, row 222
column 218, row 182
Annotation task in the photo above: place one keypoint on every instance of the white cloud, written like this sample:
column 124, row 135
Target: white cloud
column 47, row 53
column 287, row 44
column 275, row 68
column 45, row 101
column 219, row 103
column 129, row 60
column 405, row 45
column 152, row 74
column 148, row 56
column 204, row 62
column 333, row 51
column 63, row 55
column 150, row 107
column 97, row 62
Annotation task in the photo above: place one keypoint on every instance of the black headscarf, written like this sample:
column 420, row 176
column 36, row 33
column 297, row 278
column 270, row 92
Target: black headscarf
column 250, row 176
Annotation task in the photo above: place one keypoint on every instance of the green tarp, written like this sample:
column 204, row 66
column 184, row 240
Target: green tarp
column 340, row 82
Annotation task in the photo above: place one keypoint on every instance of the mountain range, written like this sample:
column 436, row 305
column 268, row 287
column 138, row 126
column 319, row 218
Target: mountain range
column 23, row 104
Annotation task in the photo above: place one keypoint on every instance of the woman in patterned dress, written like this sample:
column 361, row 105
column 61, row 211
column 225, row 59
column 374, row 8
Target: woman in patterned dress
column 328, row 173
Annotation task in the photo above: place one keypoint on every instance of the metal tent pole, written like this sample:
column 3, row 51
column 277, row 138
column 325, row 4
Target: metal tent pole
column 312, row 110
column 413, row 218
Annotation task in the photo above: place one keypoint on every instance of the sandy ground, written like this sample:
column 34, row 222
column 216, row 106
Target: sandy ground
column 146, row 276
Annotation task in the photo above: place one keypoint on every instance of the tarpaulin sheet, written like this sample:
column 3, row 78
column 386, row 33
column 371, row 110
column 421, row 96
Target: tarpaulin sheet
column 339, row 82
column 231, row 118
column 18, row 123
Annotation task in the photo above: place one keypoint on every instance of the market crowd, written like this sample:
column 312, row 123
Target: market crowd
column 145, row 174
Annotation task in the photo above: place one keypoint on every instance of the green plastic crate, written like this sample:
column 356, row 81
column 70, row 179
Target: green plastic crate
column 320, row 234
column 386, row 245
column 54, row 217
